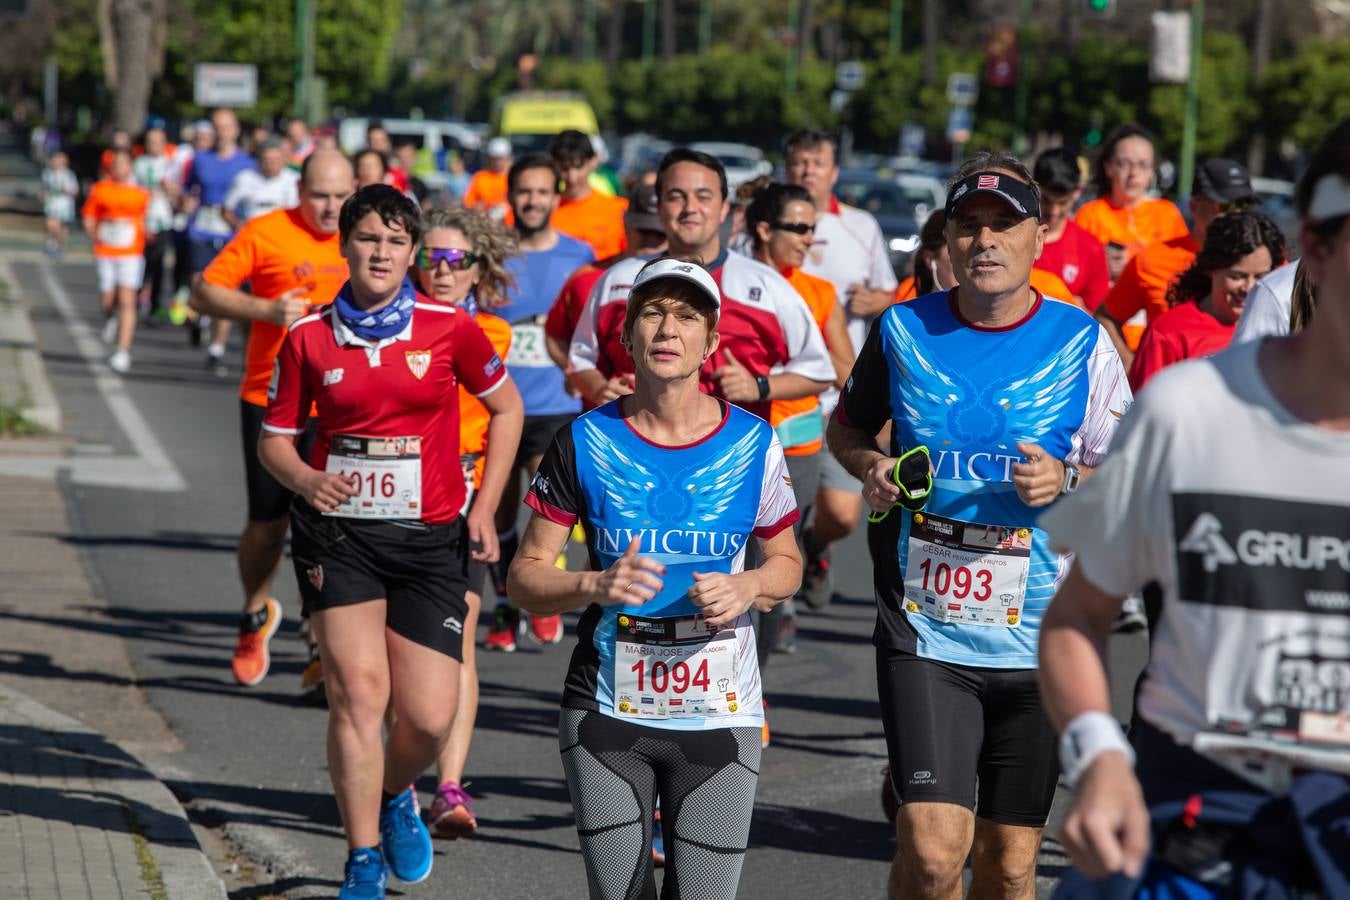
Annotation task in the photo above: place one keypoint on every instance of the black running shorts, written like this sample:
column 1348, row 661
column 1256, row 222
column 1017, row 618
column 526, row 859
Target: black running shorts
column 267, row 499
column 421, row 570
column 949, row 727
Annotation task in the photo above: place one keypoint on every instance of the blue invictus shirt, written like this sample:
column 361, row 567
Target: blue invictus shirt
column 693, row 509
column 967, row 580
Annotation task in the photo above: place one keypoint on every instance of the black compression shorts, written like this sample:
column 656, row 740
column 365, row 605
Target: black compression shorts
column 706, row 781
column 949, row 726
column 267, row 499
column 420, row 570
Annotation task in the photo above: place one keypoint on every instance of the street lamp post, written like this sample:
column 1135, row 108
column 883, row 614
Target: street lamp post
column 1192, row 101
column 302, row 106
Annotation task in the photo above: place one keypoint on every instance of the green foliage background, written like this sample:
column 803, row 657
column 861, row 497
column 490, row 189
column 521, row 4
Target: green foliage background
column 443, row 63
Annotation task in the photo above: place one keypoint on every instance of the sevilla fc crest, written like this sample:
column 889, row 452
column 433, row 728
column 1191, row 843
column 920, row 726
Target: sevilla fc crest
column 315, row 576
column 418, row 362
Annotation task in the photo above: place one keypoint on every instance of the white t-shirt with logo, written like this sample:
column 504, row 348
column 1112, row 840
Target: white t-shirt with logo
column 850, row 249
column 1268, row 307
column 251, row 194
column 1239, row 513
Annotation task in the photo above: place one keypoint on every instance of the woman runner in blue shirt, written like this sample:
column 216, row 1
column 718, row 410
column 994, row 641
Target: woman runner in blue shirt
column 663, row 694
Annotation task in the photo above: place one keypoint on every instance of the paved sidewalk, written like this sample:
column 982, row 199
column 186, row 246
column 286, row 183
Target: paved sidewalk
column 81, row 819
column 80, row 815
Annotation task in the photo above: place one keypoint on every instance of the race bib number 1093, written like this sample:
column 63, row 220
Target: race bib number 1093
column 966, row 572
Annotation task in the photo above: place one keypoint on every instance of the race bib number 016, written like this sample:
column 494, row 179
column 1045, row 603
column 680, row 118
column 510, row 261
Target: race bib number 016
column 386, row 472
column 674, row 668
column 967, row 573
column 527, row 346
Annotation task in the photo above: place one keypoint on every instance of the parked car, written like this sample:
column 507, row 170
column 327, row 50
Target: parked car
column 435, row 139
column 742, row 161
column 900, row 203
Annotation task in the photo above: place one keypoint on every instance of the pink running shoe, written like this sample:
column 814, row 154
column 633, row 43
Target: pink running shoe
column 452, row 813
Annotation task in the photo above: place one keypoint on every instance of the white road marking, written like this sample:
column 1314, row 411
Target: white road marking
column 151, row 468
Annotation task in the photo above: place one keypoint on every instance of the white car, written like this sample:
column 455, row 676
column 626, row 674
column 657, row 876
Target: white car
column 742, row 161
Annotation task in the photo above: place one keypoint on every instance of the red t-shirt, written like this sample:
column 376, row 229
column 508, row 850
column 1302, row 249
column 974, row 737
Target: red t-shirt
column 1183, row 332
column 404, row 387
column 1078, row 258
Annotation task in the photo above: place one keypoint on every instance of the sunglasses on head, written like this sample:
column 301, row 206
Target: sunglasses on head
column 794, row 227
column 457, row 260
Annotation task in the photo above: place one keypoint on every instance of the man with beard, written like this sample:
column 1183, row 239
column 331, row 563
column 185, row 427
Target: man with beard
column 548, row 258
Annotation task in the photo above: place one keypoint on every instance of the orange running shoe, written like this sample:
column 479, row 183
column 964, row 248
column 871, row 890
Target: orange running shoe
column 546, row 629
column 251, row 659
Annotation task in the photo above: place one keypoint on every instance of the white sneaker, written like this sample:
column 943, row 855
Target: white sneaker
column 120, row 362
column 110, row 329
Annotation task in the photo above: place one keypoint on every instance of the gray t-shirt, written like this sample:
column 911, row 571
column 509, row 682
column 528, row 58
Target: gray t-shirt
column 1239, row 514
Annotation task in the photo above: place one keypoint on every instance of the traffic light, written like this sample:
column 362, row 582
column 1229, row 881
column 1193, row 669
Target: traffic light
column 1102, row 9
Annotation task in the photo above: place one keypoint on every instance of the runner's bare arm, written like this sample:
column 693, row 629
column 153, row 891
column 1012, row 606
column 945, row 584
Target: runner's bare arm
column 838, row 343
column 857, row 452
column 507, row 420
column 1107, row 828
column 324, row 491
column 557, row 351
column 536, row 585
column 724, row 597
column 230, row 303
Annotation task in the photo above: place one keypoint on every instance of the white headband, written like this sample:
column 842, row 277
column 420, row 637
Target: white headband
column 1330, row 199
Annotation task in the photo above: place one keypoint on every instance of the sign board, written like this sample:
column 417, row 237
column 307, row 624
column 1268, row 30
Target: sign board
column 225, row 84
column 850, row 75
column 912, row 138
column 839, row 101
column 1170, row 62
column 960, row 121
column 963, row 88
column 14, row 7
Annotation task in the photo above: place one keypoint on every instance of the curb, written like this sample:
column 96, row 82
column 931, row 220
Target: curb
column 185, row 871
column 37, row 401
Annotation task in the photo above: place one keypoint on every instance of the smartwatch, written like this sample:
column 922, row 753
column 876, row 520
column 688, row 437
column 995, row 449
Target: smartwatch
column 763, row 382
column 1071, row 479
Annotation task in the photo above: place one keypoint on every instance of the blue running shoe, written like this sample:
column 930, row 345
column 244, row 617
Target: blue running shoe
column 405, row 840
column 365, row 877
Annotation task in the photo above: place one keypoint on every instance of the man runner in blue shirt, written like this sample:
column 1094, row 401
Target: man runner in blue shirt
column 1015, row 397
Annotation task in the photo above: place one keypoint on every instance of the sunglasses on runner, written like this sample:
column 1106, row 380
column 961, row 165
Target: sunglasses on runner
column 458, row 260
column 913, row 474
column 794, row 227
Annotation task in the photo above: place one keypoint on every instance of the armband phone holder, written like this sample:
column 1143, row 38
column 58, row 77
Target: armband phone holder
column 913, row 474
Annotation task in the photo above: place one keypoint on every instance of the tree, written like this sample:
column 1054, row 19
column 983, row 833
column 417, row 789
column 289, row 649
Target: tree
column 131, row 38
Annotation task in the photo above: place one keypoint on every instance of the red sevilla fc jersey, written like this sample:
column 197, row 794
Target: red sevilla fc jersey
column 396, row 388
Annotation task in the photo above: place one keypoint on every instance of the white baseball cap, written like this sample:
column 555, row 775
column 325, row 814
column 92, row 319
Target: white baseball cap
column 692, row 272
column 499, row 146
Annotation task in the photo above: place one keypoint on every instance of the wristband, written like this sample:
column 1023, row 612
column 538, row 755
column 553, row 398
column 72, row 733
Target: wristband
column 1088, row 736
column 762, row 381
column 1072, row 477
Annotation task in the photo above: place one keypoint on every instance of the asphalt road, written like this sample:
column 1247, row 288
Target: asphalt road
column 254, row 765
